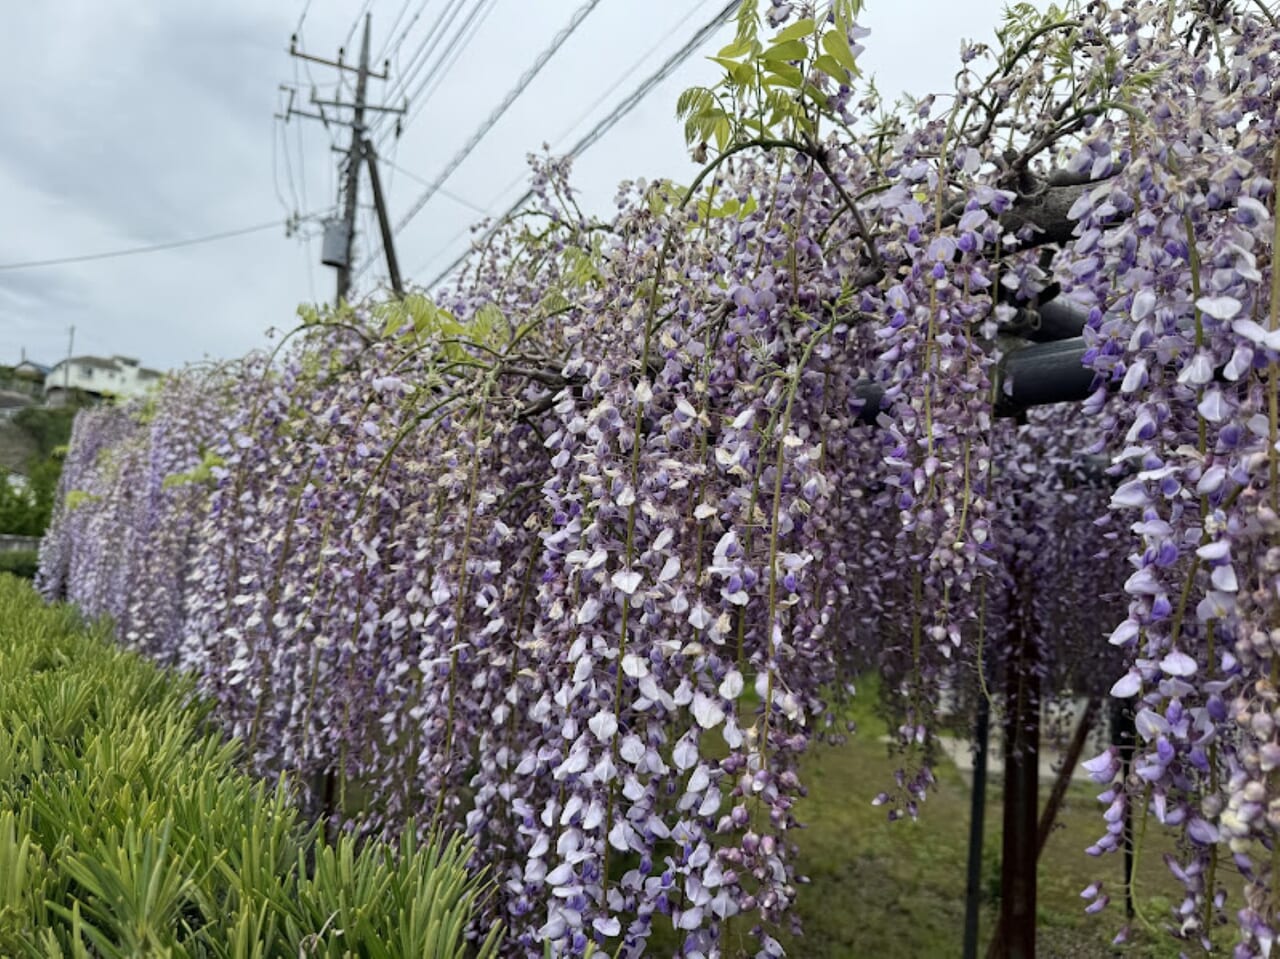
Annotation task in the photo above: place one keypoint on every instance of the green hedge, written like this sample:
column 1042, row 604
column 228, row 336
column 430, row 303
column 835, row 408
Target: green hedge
column 126, row 829
column 19, row 562
column 48, row 426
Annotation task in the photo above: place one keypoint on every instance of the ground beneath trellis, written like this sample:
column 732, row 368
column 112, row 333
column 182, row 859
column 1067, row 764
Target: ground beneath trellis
column 896, row 890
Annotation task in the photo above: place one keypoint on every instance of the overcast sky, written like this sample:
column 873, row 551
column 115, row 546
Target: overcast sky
column 137, row 122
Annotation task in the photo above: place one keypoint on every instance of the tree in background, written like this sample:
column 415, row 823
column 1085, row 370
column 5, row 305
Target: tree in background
column 26, row 504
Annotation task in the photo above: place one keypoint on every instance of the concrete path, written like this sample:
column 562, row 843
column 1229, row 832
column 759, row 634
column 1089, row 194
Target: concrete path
column 960, row 751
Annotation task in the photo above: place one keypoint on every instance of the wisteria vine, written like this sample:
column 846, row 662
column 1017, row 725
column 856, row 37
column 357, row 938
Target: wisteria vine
column 582, row 554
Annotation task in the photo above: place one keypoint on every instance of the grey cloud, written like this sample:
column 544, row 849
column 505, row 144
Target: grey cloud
column 150, row 120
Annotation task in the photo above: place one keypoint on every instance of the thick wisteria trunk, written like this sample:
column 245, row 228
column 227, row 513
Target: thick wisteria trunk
column 1047, row 818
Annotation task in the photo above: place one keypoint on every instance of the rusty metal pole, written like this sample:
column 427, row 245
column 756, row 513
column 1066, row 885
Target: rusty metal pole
column 1123, row 736
column 977, row 815
column 1021, row 787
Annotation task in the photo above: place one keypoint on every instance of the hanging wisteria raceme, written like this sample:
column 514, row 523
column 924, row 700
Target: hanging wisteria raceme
column 581, row 555
column 70, row 553
column 1174, row 255
column 131, row 480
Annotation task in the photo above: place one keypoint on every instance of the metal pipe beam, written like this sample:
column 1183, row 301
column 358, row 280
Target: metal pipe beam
column 1041, row 374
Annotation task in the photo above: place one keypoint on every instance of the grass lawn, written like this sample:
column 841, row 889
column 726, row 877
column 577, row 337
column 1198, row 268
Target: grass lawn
column 889, row 890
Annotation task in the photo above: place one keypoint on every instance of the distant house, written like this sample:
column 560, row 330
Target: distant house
column 31, row 370
column 119, row 376
column 21, row 385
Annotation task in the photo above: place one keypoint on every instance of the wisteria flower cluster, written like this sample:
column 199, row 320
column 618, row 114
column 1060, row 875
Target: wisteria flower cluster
column 580, row 555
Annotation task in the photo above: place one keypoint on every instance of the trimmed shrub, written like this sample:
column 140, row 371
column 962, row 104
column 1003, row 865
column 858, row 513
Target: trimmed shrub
column 127, row 830
column 20, row 562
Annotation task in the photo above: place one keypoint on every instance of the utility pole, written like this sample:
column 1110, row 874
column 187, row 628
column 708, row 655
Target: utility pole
column 66, row 370
column 384, row 222
column 339, row 240
column 353, row 163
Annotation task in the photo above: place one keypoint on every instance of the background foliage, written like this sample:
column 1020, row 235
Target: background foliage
column 26, row 507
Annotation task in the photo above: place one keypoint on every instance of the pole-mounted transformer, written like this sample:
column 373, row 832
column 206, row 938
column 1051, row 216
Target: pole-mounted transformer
column 337, row 243
column 340, row 231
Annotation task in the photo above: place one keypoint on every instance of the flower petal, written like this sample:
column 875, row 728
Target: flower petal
column 1178, row 663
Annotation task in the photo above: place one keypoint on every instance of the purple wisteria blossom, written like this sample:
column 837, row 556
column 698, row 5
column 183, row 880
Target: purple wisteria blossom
column 582, row 555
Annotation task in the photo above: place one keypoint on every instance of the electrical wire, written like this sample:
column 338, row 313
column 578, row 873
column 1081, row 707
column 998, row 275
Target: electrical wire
column 460, row 200
column 423, row 52
column 275, row 164
column 288, row 168
column 452, row 49
column 436, row 77
column 426, row 47
column 404, row 34
column 689, row 15
column 384, row 53
column 602, row 127
column 612, row 88
column 395, row 50
column 302, row 16
column 404, row 63
column 302, row 166
column 521, row 85
column 136, row 250
column 391, row 168
column 513, row 94
column 364, row 8
column 335, row 85
column 669, row 67
column 439, row 75
column 519, row 178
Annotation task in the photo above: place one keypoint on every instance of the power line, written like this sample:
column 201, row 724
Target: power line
column 689, row 15
column 288, row 164
column 521, row 85
column 302, row 166
column 608, row 122
column 404, row 34
column 364, row 8
column 604, row 95
column 512, row 95
column 400, row 84
column 275, row 165
column 136, row 250
column 446, row 63
column 669, row 67
column 336, row 85
column 521, row 177
column 391, row 165
column 461, row 200
column 384, row 54
column 302, row 16
column 435, row 77
column 423, row 52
